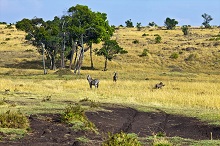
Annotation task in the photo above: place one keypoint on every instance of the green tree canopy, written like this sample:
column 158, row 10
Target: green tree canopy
column 129, row 23
column 207, row 19
column 109, row 50
column 170, row 23
column 66, row 34
column 87, row 27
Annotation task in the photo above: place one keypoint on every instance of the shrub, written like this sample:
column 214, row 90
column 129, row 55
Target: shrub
column 145, row 52
column 122, row 139
column 152, row 24
column 135, row 42
column 129, row 23
column 185, row 29
column 13, row 120
column 145, row 34
column 138, row 26
column 191, row 57
column 9, row 26
column 75, row 115
column 158, row 39
column 174, row 55
column 160, row 140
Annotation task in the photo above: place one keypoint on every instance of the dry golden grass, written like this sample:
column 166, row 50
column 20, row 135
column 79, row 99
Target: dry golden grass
column 193, row 90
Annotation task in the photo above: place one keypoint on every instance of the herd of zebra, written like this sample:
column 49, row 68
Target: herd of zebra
column 95, row 82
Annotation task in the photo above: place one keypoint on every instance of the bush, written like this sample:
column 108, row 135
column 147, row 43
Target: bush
column 135, row 42
column 160, row 140
column 129, row 23
column 145, row 52
column 122, row 139
column 13, row 120
column 185, row 29
column 145, row 34
column 170, row 23
column 158, row 39
column 76, row 115
column 138, row 26
column 174, row 55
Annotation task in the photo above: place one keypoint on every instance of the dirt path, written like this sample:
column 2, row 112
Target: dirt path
column 47, row 130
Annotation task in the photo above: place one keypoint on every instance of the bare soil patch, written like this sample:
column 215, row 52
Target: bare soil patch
column 47, row 129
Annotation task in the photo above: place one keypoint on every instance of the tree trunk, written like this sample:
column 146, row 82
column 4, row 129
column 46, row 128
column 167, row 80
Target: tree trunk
column 62, row 52
column 106, row 63
column 53, row 67
column 72, row 53
column 80, row 58
column 90, row 46
column 43, row 57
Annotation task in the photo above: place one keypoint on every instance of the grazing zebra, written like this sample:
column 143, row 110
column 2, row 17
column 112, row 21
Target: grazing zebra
column 94, row 82
column 159, row 85
column 115, row 77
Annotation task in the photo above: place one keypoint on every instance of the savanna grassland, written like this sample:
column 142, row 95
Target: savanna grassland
column 189, row 66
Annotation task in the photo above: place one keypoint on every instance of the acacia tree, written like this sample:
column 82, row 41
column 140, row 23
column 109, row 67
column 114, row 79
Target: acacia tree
column 207, row 19
column 170, row 23
column 138, row 26
column 129, row 23
column 87, row 27
column 152, row 24
column 101, row 31
column 109, row 50
column 45, row 34
column 70, row 32
column 78, row 22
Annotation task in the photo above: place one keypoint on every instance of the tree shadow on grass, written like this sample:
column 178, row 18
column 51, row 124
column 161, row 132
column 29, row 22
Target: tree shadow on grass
column 36, row 64
column 88, row 68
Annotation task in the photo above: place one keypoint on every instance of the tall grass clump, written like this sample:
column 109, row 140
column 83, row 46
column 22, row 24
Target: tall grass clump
column 75, row 115
column 121, row 139
column 161, row 141
column 144, row 53
column 174, row 55
column 13, row 120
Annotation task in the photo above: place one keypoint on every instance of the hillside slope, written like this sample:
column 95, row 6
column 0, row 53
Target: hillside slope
column 197, row 52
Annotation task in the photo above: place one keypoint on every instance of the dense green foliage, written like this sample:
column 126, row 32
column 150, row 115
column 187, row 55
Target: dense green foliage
column 185, row 29
column 152, row 24
column 122, row 139
column 13, row 120
column 129, row 23
column 138, row 26
column 62, row 37
column 170, row 23
column 158, row 39
column 76, row 115
column 207, row 19
column 109, row 50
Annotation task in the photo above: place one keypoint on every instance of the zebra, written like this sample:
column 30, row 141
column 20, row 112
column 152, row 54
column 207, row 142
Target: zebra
column 159, row 85
column 94, row 82
column 115, row 77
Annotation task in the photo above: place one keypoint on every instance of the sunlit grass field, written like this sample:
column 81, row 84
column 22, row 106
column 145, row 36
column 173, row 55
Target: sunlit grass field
column 193, row 91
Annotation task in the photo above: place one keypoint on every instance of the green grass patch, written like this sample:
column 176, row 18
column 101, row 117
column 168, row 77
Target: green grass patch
column 75, row 115
column 12, row 119
column 12, row 134
column 122, row 139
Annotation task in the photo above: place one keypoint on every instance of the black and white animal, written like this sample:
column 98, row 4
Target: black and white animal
column 93, row 82
column 159, row 85
column 115, row 77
